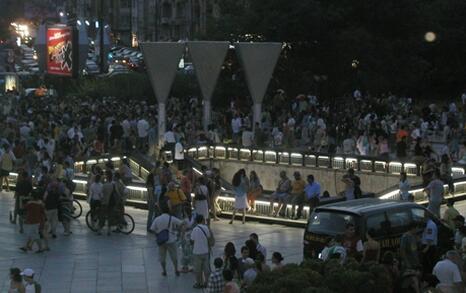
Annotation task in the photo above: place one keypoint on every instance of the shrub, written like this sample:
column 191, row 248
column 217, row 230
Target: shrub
column 315, row 276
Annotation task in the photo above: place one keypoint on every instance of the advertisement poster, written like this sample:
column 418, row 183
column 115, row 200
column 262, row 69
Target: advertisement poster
column 60, row 51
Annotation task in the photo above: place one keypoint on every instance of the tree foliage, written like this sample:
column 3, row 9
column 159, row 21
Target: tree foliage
column 385, row 37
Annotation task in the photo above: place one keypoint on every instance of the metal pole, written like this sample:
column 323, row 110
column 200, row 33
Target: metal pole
column 102, row 28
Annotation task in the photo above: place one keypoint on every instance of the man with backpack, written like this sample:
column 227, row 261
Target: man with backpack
column 164, row 227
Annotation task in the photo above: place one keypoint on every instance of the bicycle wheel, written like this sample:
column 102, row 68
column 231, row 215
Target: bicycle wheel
column 92, row 222
column 77, row 209
column 128, row 224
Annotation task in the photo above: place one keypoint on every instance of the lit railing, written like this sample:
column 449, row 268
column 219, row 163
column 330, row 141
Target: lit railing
column 310, row 159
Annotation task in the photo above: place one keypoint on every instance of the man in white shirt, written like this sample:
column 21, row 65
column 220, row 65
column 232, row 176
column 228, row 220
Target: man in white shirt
column 448, row 273
column 236, row 128
column 171, row 223
column 247, row 138
column 143, row 132
column 179, row 154
column 201, row 250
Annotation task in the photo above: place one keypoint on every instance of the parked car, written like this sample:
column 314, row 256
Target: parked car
column 388, row 220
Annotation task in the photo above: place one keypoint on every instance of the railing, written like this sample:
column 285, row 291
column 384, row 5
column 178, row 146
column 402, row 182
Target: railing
column 310, row 159
column 137, row 192
column 421, row 197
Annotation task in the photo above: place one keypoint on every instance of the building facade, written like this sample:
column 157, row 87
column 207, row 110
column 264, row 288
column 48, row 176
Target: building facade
column 134, row 21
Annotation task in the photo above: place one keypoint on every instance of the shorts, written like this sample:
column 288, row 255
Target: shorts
column 4, row 173
column 201, row 263
column 31, row 231
column 171, row 248
column 280, row 196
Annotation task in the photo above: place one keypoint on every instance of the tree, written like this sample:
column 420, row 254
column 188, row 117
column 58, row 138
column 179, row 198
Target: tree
column 385, row 38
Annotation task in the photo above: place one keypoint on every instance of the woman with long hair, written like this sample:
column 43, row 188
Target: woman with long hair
column 240, row 186
column 254, row 191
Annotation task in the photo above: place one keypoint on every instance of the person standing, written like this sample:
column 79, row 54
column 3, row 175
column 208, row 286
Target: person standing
column 450, row 214
column 201, row 250
column 151, row 182
column 23, row 191
column 254, row 190
column 404, row 186
column 429, row 243
column 216, row 187
column 7, row 159
column 179, row 154
column 96, row 196
column 240, row 186
column 35, row 216
column 435, row 192
column 143, row 132
column 236, row 128
column 166, row 222
column 176, row 200
column 297, row 194
column 460, row 231
column 201, row 198
column 51, row 200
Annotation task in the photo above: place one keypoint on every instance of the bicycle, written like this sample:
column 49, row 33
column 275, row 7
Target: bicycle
column 77, row 209
column 126, row 226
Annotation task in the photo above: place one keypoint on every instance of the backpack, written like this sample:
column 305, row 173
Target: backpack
column 211, row 239
column 163, row 236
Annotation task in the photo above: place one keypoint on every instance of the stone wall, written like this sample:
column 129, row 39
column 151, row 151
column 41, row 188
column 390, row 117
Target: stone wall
column 329, row 179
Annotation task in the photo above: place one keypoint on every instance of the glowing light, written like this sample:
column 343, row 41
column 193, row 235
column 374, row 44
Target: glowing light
column 430, row 37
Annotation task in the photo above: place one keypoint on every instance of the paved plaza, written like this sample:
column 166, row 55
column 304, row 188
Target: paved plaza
column 86, row 262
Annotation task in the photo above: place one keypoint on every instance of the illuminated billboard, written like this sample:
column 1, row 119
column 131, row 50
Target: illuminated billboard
column 61, row 51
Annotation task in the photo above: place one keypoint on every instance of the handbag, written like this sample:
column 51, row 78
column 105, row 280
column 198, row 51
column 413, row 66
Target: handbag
column 163, row 236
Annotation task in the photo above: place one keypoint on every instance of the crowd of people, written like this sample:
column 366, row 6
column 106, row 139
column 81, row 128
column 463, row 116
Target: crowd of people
column 42, row 137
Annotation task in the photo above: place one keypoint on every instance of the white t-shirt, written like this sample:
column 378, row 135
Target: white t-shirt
column 447, row 272
column 161, row 223
column 236, row 125
column 201, row 244
column 143, row 128
column 96, row 191
column 126, row 128
column 179, row 154
column 430, row 233
column 247, row 138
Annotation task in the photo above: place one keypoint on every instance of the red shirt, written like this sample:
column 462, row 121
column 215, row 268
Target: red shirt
column 35, row 213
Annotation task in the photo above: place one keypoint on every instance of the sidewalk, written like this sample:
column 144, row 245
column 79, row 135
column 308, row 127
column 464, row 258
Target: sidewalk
column 85, row 262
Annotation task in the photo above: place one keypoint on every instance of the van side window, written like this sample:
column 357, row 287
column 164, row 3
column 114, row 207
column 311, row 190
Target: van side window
column 399, row 221
column 377, row 223
column 418, row 215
